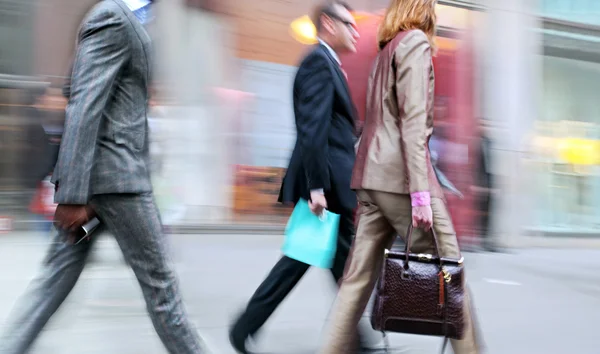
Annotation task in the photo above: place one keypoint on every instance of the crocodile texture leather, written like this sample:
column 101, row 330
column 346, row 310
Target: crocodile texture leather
column 420, row 294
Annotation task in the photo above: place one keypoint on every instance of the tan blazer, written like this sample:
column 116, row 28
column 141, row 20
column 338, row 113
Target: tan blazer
column 393, row 154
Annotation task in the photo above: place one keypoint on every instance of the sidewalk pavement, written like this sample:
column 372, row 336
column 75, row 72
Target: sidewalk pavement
column 529, row 301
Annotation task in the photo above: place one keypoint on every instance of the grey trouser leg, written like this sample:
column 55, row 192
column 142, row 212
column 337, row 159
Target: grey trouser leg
column 135, row 222
column 61, row 269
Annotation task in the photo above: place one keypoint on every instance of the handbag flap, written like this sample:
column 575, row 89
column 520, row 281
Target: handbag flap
column 424, row 257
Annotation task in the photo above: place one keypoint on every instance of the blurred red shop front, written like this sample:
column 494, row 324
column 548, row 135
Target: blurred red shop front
column 455, row 121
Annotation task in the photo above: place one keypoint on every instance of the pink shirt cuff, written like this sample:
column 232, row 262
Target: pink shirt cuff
column 420, row 199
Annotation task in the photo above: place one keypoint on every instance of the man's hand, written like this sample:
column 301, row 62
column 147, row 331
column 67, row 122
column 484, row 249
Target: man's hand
column 317, row 202
column 72, row 217
column 422, row 217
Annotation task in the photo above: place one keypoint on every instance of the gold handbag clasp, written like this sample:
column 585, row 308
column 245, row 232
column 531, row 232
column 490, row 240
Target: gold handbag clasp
column 424, row 257
column 447, row 276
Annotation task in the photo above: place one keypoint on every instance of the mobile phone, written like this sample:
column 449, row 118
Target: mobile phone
column 87, row 229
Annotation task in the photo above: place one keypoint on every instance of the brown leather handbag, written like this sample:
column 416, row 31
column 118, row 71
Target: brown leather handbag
column 420, row 294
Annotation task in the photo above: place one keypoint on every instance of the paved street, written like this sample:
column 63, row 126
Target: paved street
column 530, row 301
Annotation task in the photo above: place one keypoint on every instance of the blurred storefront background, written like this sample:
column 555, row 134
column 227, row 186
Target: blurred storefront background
column 565, row 151
column 222, row 120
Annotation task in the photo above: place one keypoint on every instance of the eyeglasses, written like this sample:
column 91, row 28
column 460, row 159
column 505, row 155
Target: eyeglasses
column 351, row 26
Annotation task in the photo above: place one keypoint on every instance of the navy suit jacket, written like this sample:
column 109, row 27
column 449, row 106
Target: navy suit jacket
column 324, row 154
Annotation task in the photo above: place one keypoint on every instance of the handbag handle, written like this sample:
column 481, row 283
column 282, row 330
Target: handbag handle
column 409, row 233
column 440, row 263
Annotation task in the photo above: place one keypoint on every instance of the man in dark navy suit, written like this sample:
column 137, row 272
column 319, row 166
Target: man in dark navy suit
column 321, row 164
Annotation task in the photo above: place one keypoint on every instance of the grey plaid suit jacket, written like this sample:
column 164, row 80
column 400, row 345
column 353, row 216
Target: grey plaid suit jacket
column 104, row 147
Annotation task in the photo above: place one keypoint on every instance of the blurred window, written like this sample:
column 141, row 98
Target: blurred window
column 582, row 11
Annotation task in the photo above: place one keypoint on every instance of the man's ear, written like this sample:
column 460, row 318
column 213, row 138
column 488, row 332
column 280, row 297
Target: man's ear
column 327, row 24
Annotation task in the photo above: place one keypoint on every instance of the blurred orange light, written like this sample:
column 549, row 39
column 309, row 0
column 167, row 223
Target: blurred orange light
column 303, row 30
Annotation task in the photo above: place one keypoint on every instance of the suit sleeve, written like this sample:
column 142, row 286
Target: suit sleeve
column 412, row 62
column 102, row 51
column 314, row 92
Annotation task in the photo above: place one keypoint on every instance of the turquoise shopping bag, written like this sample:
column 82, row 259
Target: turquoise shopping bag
column 309, row 238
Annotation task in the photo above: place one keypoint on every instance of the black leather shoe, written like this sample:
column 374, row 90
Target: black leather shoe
column 238, row 341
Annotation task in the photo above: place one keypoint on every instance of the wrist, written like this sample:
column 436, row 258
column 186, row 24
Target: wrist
column 318, row 191
column 418, row 199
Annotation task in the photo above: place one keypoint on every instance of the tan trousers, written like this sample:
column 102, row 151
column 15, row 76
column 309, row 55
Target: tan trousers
column 382, row 216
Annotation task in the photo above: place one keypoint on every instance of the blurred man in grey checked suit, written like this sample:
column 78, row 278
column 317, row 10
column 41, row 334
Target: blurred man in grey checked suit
column 103, row 171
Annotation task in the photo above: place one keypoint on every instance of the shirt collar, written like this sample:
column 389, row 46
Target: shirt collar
column 136, row 4
column 331, row 51
column 141, row 9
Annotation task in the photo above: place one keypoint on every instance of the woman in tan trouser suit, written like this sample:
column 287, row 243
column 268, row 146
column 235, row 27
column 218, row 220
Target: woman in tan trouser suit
column 393, row 176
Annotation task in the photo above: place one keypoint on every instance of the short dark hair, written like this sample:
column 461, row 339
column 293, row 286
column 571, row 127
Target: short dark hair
column 327, row 8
